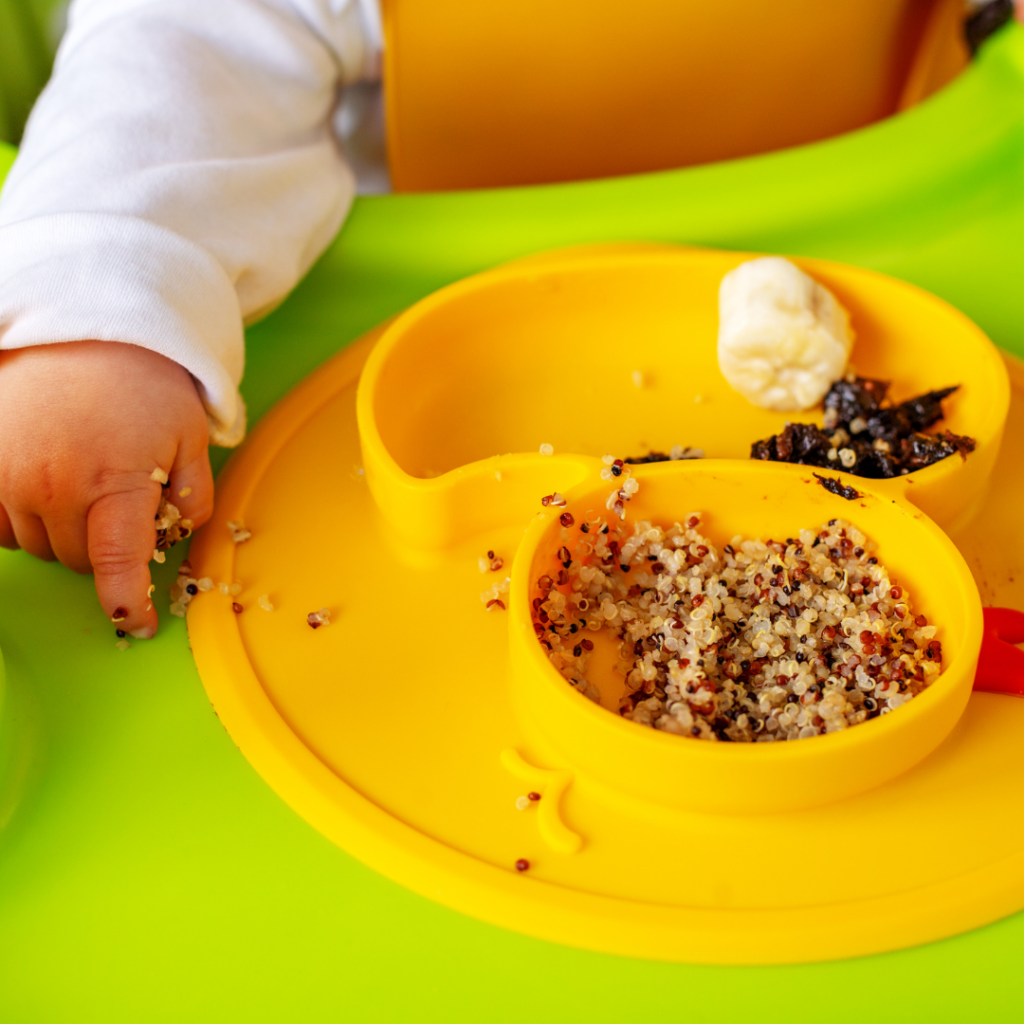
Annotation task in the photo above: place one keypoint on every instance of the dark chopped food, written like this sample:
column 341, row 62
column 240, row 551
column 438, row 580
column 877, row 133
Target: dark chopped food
column 916, row 414
column 802, row 442
column 835, row 486
column 848, row 399
column 677, row 453
column 866, row 434
column 639, row 460
column 920, row 450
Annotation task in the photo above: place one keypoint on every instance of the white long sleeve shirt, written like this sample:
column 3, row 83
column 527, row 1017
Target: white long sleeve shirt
column 179, row 175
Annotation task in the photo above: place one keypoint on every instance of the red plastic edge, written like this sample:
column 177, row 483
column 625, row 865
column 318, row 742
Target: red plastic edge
column 1000, row 664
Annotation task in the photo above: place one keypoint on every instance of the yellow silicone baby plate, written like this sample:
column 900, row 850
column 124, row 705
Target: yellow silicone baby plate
column 544, row 352
column 754, row 499
column 409, row 727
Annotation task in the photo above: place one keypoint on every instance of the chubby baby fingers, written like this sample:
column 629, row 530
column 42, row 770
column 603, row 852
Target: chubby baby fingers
column 191, row 489
column 30, row 535
column 69, row 541
column 7, row 539
column 121, row 537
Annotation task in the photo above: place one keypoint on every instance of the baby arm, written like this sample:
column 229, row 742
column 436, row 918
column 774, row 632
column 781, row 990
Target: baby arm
column 177, row 178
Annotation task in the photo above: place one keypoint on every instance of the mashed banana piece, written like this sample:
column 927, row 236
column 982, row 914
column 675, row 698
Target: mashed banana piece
column 782, row 338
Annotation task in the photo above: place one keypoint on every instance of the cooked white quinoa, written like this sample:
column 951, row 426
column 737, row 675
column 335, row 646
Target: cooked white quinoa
column 186, row 586
column 170, row 526
column 763, row 641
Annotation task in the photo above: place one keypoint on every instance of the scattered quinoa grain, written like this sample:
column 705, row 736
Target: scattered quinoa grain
column 265, row 603
column 547, row 449
column 533, row 796
column 122, row 645
column 522, row 802
column 522, row 864
column 239, row 534
column 319, row 618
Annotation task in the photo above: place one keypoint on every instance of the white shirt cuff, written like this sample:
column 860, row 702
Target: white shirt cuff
column 110, row 277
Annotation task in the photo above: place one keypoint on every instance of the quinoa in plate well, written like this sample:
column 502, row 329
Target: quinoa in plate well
column 758, row 642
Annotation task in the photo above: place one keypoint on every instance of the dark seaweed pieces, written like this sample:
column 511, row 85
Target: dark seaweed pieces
column 867, row 435
column 835, row 486
column 848, row 399
column 679, row 454
column 922, row 450
column 639, row 460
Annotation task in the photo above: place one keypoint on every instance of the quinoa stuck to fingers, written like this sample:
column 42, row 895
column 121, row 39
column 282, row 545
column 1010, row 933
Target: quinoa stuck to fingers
column 170, row 526
column 762, row 641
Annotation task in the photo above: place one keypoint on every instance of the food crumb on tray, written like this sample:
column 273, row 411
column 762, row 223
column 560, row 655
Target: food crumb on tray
column 675, row 454
column 835, row 486
column 239, row 534
column 319, row 618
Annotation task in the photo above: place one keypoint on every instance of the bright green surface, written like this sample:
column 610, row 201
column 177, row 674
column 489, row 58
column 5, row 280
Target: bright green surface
column 28, row 31
column 147, row 873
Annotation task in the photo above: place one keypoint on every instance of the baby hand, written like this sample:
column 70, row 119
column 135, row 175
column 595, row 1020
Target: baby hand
column 83, row 425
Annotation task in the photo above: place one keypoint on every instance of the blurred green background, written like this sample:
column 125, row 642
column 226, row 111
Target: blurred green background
column 29, row 33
